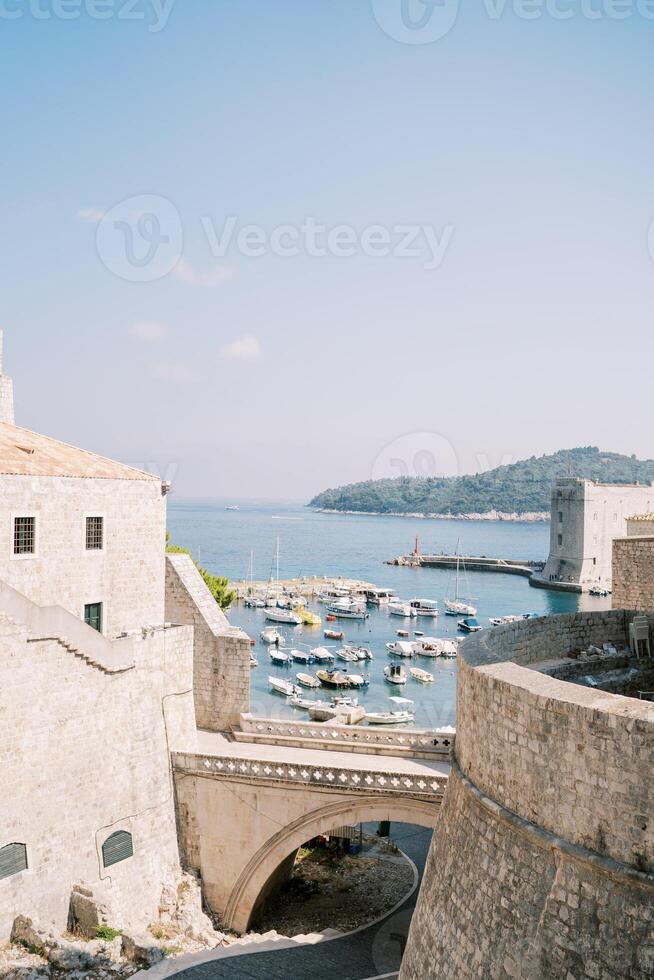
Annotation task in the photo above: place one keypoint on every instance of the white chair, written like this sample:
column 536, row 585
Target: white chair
column 639, row 634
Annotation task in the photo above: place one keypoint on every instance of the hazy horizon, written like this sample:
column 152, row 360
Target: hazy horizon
column 259, row 356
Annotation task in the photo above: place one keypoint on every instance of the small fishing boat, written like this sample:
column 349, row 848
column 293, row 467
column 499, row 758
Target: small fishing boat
column 308, row 618
column 361, row 653
column 470, row 625
column 425, row 607
column 300, row 702
column 253, row 661
column 399, row 716
column 395, row 674
column 271, row 635
column 358, row 680
column 404, row 609
column 322, row 655
column 418, row 633
column 599, row 592
column 333, row 634
column 280, row 658
column 333, row 678
column 400, row 648
column 281, row 686
column 430, row 646
column 421, row 675
column 504, row 620
column 276, row 615
column 307, row 680
column 346, row 711
column 402, row 632
column 347, row 655
column 302, row 657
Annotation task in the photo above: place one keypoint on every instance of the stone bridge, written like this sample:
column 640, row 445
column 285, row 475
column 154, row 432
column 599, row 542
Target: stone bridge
column 246, row 803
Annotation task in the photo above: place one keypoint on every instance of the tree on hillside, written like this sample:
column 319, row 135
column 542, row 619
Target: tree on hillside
column 217, row 585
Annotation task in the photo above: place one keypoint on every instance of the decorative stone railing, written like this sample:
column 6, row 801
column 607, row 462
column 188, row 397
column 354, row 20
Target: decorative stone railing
column 425, row 786
column 353, row 738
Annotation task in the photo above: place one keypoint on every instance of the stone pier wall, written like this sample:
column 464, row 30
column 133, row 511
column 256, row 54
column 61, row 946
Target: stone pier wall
column 633, row 572
column 542, row 864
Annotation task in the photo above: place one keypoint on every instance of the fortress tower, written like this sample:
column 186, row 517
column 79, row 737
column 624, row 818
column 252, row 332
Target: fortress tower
column 6, row 391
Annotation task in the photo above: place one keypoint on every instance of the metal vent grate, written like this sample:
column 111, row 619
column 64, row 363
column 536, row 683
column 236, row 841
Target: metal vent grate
column 117, row 848
column 13, row 860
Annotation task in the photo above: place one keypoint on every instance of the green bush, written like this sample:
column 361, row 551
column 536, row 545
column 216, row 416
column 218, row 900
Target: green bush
column 107, row 933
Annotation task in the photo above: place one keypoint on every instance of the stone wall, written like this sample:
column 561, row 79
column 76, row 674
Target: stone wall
column 633, row 572
column 221, row 653
column 543, row 863
column 85, row 752
column 127, row 575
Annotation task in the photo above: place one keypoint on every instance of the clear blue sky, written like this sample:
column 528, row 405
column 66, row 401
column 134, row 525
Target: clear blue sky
column 532, row 140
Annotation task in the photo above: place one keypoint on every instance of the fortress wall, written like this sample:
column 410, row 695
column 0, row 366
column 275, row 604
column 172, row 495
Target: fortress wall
column 633, row 572
column 85, row 753
column 542, row 864
column 221, row 653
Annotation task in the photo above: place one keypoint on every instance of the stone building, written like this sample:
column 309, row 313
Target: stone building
column 586, row 518
column 633, row 563
column 542, row 863
column 106, row 647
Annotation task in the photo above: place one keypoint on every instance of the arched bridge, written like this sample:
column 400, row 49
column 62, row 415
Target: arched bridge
column 246, row 804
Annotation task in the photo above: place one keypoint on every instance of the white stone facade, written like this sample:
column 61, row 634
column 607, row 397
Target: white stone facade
column 586, row 518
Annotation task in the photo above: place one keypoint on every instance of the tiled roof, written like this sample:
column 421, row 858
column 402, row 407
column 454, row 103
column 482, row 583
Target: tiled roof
column 25, row 453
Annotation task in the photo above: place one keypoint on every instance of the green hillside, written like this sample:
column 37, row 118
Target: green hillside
column 519, row 487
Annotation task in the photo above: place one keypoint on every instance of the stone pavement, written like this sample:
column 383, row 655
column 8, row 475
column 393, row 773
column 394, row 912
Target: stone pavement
column 372, row 952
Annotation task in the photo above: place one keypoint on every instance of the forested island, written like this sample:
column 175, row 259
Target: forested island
column 520, row 490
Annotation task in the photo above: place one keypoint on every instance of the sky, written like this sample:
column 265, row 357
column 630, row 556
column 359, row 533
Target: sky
column 265, row 248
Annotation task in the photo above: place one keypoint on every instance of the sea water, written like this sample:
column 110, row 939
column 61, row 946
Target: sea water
column 356, row 546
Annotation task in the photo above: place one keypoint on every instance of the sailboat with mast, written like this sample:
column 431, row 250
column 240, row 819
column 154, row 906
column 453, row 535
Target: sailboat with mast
column 274, row 613
column 456, row 606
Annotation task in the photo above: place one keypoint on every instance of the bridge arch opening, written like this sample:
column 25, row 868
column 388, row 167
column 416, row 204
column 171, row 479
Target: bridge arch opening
column 272, row 860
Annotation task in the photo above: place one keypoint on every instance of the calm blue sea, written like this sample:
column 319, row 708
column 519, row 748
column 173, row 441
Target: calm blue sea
column 312, row 543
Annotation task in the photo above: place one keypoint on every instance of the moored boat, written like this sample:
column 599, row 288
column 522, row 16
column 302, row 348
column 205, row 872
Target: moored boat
column 425, row 607
column 302, row 703
column 421, row 675
column 347, row 655
column 307, row 680
column 358, row 680
column 281, row 686
column 302, row 657
column 334, row 634
column 400, row 648
column 322, row 655
column 470, row 625
column 280, row 658
column 403, row 609
column 395, row 674
column 276, row 615
column 333, row 678
column 431, row 646
column 271, row 635
column 308, row 618
column 347, row 609
column 361, row 653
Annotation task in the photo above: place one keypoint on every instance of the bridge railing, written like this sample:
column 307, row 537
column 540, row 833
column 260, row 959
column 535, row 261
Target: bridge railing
column 428, row 786
column 423, row 743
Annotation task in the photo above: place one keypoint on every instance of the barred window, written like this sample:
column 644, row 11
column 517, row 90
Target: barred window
column 94, row 533
column 24, row 535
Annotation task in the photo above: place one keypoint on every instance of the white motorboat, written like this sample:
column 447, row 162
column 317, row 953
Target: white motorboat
column 307, row 680
column 347, row 609
column 347, row 655
column 389, row 717
column 455, row 606
column 421, row 675
column 322, row 655
column 345, row 711
column 280, row 658
column 281, row 686
column 430, row 646
column 271, row 635
column 395, row 674
column 401, row 609
column 303, row 704
column 425, row 607
column 253, row 661
column 470, row 625
column 333, row 678
column 400, row 648
column 358, row 680
column 361, row 653
column 276, row 615
column 302, row 657
column 504, row 620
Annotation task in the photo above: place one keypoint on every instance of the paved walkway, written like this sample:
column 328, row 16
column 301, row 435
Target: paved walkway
column 373, row 952
column 212, row 743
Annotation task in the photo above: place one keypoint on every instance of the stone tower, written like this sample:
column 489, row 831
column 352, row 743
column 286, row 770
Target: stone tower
column 6, row 392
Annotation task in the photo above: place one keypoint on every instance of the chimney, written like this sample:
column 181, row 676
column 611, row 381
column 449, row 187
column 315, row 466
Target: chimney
column 6, row 391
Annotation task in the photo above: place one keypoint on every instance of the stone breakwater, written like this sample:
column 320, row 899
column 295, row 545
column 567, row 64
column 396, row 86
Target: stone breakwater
column 543, row 862
column 528, row 517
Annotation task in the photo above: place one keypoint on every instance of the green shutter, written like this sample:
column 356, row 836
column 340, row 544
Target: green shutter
column 13, row 860
column 117, row 848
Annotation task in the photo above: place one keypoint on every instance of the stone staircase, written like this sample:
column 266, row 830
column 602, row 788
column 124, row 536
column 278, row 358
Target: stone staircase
column 76, row 652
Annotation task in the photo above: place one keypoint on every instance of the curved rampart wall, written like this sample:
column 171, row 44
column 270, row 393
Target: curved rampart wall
column 543, row 859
